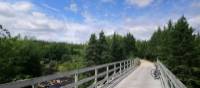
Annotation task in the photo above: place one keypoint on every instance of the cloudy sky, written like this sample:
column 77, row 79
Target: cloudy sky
column 74, row 20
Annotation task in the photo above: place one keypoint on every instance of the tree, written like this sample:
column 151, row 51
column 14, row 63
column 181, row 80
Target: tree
column 29, row 60
column 182, row 42
column 129, row 45
column 103, row 49
column 182, row 51
column 160, row 42
column 117, row 50
column 4, row 33
column 91, row 51
column 144, row 50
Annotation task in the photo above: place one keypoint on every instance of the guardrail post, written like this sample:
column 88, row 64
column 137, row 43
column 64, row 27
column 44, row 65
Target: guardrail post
column 34, row 86
column 171, row 85
column 127, row 64
column 120, row 66
column 76, row 80
column 132, row 62
column 124, row 66
column 107, row 72
column 114, row 69
column 96, row 76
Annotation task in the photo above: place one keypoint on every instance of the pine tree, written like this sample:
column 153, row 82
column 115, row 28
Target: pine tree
column 182, row 44
column 117, row 48
column 167, row 41
column 144, row 50
column 160, row 41
column 129, row 45
column 91, row 51
column 197, row 48
column 196, row 69
column 4, row 33
column 182, row 51
column 155, row 43
column 103, row 49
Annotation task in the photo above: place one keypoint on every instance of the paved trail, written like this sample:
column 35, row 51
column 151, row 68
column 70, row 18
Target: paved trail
column 140, row 78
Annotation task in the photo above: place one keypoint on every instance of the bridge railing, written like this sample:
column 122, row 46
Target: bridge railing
column 168, row 79
column 107, row 73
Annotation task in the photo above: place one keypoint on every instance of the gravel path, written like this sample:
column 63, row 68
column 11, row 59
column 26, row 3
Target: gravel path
column 140, row 78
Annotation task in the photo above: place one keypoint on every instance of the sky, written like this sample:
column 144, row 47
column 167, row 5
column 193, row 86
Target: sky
column 74, row 21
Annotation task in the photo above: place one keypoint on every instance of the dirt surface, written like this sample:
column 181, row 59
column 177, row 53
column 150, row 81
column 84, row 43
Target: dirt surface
column 140, row 78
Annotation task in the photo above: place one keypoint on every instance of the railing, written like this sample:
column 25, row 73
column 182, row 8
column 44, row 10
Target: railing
column 103, row 74
column 168, row 79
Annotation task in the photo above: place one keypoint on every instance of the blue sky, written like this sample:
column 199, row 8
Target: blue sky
column 74, row 20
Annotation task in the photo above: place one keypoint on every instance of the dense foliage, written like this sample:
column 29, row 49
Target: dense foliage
column 22, row 58
column 109, row 49
column 178, row 46
column 27, row 58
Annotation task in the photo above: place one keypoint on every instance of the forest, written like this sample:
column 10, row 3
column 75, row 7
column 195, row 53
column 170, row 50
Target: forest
column 176, row 44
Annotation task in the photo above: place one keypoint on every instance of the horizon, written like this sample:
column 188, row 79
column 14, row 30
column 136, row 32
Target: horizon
column 74, row 21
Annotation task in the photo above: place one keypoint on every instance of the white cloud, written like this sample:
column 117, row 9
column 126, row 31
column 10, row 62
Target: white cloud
column 139, row 3
column 88, row 18
column 8, row 9
column 22, row 6
column 195, row 23
column 141, row 29
column 51, row 8
column 141, row 32
column 72, row 7
column 19, row 17
column 195, row 4
column 44, row 27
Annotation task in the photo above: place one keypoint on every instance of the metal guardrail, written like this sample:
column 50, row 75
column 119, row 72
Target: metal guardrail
column 168, row 79
column 116, row 69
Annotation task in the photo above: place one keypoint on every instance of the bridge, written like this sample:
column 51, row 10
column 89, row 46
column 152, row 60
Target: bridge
column 132, row 73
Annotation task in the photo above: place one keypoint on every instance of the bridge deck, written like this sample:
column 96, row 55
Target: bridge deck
column 140, row 78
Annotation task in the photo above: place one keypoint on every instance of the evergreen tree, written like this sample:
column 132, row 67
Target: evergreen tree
column 160, row 41
column 182, row 51
column 167, row 41
column 155, row 43
column 182, row 42
column 196, row 68
column 197, row 49
column 117, row 49
column 129, row 45
column 144, row 50
column 103, row 49
column 179, row 48
column 4, row 33
column 91, row 51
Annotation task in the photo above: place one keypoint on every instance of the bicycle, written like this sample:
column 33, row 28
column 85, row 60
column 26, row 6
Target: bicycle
column 156, row 72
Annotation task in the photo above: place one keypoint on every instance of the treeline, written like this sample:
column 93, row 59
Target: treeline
column 22, row 58
column 109, row 49
column 178, row 46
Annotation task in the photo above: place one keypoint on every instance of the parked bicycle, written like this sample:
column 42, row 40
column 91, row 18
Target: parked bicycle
column 156, row 72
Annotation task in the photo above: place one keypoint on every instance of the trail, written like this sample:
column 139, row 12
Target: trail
column 140, row 78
